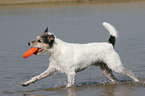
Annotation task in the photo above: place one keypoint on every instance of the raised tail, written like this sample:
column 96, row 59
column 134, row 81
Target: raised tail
column 112, row 31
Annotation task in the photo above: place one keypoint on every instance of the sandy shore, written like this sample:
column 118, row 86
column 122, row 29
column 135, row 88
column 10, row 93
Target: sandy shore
column 8, row 4
column 15, row 2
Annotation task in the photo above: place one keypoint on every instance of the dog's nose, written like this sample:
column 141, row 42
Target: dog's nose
column 29, row 43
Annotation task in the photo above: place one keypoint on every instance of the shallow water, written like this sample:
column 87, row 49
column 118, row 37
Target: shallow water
column 79, row 24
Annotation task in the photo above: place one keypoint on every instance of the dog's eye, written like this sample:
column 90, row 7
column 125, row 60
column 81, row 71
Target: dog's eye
column 39, row 41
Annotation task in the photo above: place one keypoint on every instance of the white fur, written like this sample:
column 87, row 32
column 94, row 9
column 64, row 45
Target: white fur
column 70, row 58
column 74, row 56
column 50, row 33
column 111, row 29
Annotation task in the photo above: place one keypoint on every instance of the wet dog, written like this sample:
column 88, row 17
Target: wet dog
column 71, row 58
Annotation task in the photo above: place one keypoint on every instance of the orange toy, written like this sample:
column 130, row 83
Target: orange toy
column 30, row 52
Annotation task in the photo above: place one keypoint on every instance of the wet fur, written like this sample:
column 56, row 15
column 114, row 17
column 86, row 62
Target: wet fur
column 71, row 58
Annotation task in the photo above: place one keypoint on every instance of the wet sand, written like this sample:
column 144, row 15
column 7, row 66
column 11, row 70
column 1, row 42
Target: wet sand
column 14, row 4
column 108, row 89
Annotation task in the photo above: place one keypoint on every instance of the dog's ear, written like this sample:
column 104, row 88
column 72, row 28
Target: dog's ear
column 46, row 30
column 51, row 38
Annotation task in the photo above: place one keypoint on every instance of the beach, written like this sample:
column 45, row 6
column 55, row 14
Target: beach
column 74, row 23
column 8, row 4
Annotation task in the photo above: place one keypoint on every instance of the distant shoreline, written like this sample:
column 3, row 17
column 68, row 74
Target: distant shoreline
column 21, row 2
column 8, row 4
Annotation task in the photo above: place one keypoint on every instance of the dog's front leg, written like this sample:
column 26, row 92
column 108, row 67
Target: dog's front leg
column 46, row 73
column 70, row 80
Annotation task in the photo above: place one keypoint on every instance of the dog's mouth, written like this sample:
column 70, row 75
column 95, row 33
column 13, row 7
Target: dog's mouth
column 39, row 51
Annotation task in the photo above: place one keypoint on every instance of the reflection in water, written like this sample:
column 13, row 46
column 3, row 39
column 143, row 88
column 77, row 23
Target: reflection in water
column 108, row 89
column 33, row 95
column 71, row 91
column 68, row 91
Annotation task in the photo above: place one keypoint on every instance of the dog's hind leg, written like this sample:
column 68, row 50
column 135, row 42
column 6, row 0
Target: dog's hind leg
column 46, row 73
column 130, row 74
column 120, row 69
column 108, row 72
column 114, row 63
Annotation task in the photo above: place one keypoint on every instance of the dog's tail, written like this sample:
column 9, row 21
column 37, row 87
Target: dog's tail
column 112, row 31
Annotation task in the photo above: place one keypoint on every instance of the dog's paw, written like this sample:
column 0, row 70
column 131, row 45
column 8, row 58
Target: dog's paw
column 115, row 82
column 69, row 85
column 24, row 85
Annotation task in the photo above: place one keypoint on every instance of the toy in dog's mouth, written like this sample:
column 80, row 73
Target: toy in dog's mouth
column 39, row 51
column 33, row 50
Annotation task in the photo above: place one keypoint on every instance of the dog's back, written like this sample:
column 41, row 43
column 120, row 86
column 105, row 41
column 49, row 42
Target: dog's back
column 80, row 56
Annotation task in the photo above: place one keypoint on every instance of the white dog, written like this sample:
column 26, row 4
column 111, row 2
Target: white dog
column 71, row 58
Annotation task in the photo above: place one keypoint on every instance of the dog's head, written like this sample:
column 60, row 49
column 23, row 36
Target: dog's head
column 43, row 42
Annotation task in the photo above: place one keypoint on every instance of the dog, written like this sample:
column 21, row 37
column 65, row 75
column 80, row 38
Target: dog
column 71, row 58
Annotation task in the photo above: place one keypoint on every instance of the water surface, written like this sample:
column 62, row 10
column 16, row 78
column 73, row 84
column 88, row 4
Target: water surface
column 77, row 24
